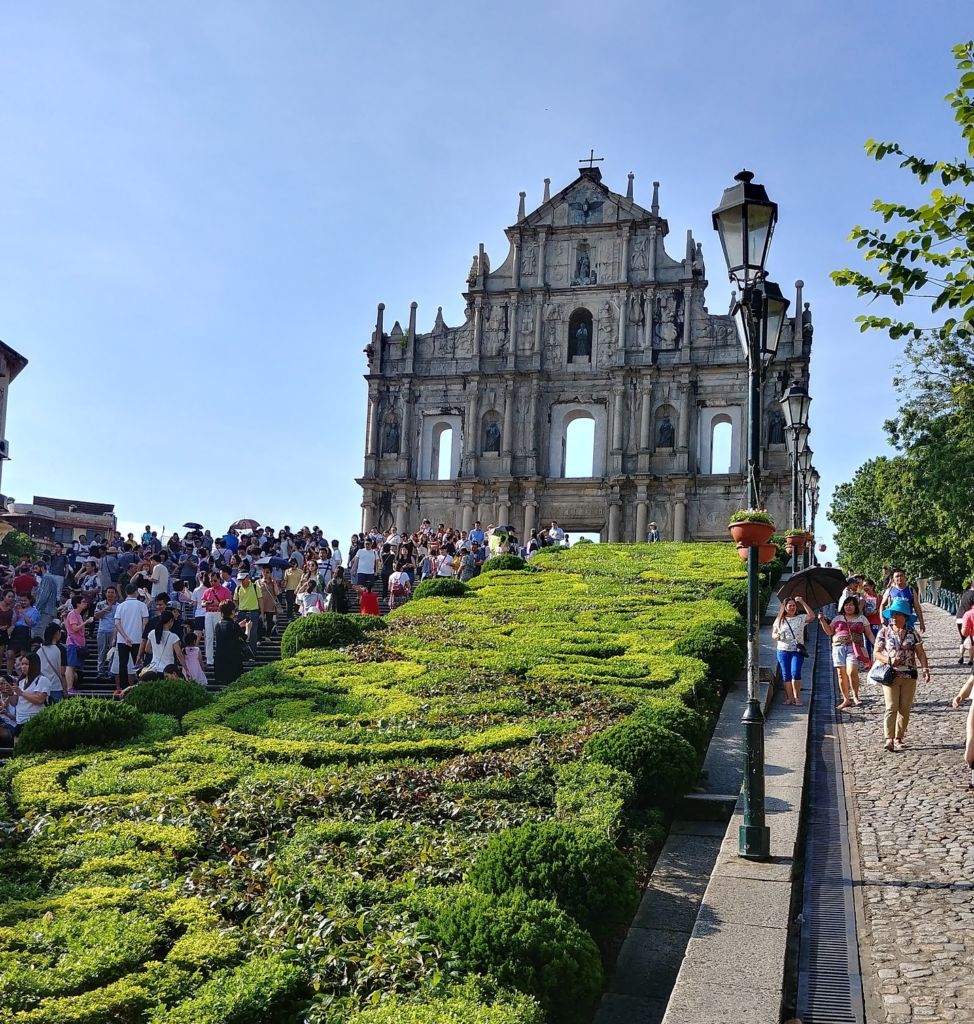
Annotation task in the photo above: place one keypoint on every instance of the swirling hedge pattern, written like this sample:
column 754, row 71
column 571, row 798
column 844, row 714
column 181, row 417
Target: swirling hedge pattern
column 296, row 849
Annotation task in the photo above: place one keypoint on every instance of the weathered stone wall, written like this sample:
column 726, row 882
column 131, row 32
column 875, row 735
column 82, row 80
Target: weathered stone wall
column 587, row 317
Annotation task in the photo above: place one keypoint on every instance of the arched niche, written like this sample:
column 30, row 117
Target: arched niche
column 664, row 428
column 491, row 433
column 580, row 336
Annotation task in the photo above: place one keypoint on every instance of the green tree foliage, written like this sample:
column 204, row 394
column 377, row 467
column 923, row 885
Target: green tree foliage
column 17, row 545
column 914, row 509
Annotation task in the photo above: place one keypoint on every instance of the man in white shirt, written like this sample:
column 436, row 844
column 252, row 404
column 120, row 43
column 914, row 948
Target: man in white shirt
column 131, row 617
column 365, row 564
column 159, row 577
column 556, row 534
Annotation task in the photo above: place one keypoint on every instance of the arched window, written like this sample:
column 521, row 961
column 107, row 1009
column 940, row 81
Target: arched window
column 721, row 440
column 441, row 462
column 580, row 336
column 578, row 446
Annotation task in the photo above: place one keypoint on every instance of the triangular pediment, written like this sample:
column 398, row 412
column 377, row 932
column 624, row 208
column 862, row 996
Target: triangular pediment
column 586, row 201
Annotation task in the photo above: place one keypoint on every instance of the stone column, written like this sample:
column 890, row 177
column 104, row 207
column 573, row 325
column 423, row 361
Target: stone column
column 538, row 323
column 507, row 446
column 618, row 411
column 680, row 520
column 645, row 419
column 468, row 451
column 542, row 257
column 641, row 519
column 530, row 508
column 687, row 307
column 623, row 322
column 372, row 444
column 405, row 443
column 467, row 522
column 683, row 430
column 615, row 510
column 532, row 439
column 648, row 311
column 401, row 511
column 625, row 254
column 516, row 269
column 652, row 253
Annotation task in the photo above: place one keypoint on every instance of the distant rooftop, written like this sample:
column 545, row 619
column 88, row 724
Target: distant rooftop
column 90, row 508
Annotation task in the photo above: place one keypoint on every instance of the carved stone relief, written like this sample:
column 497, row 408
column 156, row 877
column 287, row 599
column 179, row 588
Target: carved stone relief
column 668, row 322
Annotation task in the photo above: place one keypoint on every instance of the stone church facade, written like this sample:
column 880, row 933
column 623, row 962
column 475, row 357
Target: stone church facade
column 588, row 318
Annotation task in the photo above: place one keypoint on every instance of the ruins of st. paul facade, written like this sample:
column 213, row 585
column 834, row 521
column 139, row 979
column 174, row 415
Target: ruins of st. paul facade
column 587, row 319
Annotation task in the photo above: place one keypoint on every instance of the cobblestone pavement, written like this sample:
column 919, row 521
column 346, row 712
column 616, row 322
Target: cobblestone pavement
column 916, row 839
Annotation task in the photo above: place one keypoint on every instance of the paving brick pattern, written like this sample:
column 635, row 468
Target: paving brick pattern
column 916, row 839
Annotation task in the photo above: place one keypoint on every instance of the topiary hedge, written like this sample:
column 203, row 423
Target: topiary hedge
column 720, row 645
column 582, row 871
column 677, row 717
column 663, row 764
column 525, row 944
column 504, row 562
column 326, row 629
column 80, row 722
column 441, row 586
column 472, row 1003
column 168, row 697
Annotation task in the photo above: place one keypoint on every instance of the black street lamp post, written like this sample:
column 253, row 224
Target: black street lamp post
column 745, row 221
column 795, row 404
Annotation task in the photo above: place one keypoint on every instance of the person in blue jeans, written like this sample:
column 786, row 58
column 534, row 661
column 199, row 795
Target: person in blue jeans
column 789, row 632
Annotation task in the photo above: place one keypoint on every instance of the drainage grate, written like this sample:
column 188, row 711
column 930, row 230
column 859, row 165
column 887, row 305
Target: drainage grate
column 829, row 981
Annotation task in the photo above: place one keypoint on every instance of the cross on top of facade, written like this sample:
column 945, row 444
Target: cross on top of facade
column 591, row 159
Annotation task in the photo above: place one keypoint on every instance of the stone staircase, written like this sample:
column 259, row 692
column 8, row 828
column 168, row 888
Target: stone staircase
column 268, row 651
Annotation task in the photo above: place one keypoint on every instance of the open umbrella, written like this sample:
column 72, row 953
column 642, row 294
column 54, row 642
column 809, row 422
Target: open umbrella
column 274, row 561
column 818, row 586
column 503, row 529
column 192, row 526
column 245, row 524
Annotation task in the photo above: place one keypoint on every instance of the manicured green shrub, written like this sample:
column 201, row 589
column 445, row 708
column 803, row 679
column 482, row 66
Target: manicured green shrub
column 168, row 697
column 734, row 593
column 158, row 728
column 327, row 629
column 677, row 717
column 445, row 586
column 504, row 562
column 575, row 866
column 253, row 993
column 594, row 794
column 525, row 944
column 720, row 645
column 663, row 764
column 80, row 722
column 467, row 1004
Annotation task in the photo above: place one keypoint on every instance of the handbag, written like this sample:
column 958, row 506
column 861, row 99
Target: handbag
column 800, row 647
column 881, row 674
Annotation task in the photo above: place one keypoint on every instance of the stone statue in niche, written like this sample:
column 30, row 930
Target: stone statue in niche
column 807, row 328
column 492, row 438
column 776, row 427
column 639, row 259
column 529, row 263
column 583, row 268
column 668, row 328
column 390, row 437
column 635, row 309
column 580, row 329
column 664, row 433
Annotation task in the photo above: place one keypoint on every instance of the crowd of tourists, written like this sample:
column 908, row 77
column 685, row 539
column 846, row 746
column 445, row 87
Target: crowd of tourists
column 876, row 632
column 175, row 608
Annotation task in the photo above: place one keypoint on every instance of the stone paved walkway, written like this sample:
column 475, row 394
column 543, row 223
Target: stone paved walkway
column 916, row 838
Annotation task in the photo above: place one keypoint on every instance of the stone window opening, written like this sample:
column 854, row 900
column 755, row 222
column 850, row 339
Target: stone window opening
column 442, row 456
column 721, row 443
column 578, row 446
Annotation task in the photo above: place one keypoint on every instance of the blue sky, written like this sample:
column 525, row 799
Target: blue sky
column 201, row 205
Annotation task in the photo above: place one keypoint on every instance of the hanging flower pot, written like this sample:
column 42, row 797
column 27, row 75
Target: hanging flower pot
column 798, row 539
column 751, row 526
column 766, row 552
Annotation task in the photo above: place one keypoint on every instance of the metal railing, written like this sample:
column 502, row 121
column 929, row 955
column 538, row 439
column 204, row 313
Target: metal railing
column 937, row 595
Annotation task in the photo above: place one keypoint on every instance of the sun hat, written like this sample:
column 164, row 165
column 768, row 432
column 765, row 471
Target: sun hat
column 902, row 606
column 243, row 575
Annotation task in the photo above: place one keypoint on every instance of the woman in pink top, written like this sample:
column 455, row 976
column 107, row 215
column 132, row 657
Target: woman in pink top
column 74, row 623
